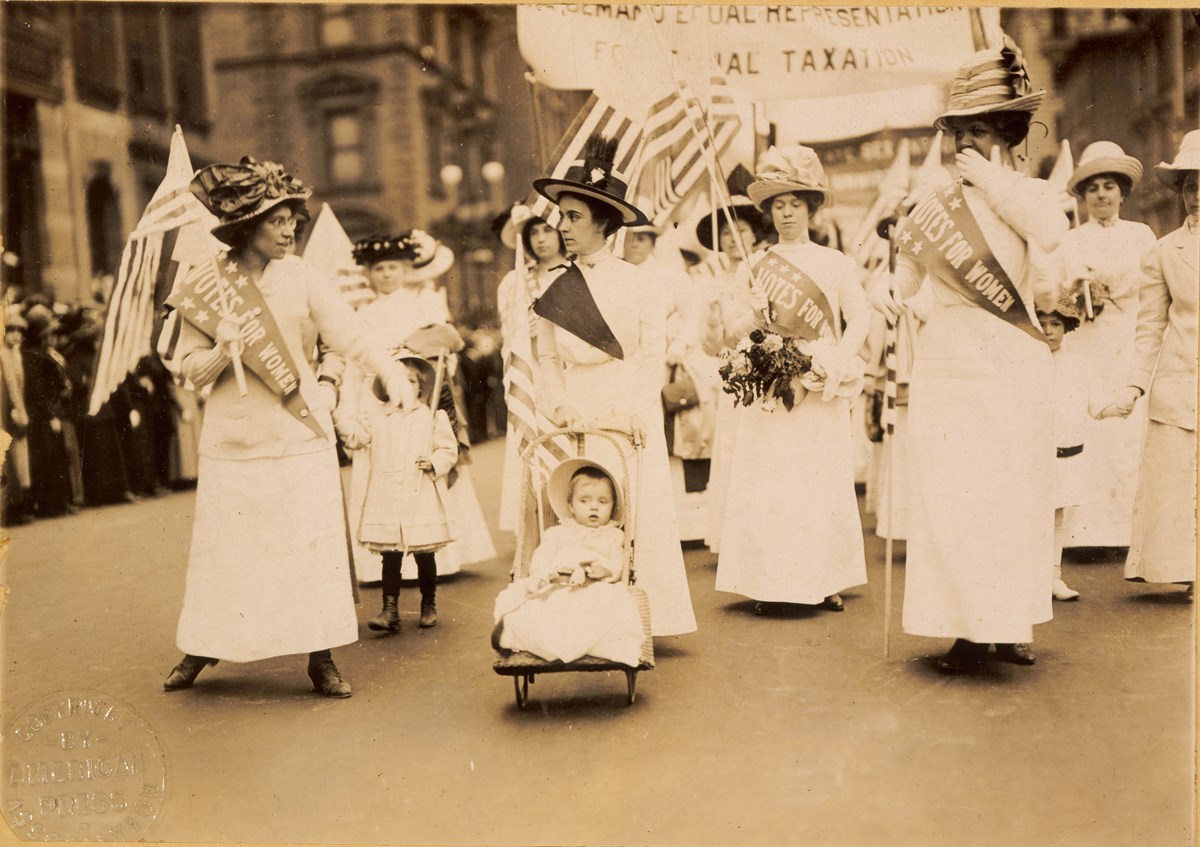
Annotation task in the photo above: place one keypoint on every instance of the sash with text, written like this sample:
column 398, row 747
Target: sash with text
column 798, row 306
column 198, row 300
column 941, row 234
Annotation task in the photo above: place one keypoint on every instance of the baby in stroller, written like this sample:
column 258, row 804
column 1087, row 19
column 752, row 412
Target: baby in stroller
column 574, row 601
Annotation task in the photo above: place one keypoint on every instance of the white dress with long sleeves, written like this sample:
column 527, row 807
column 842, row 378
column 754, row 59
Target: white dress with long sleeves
column 574, row 373
column 1110, row 253
column 268, row 573
column 792, row 530
column 390, row 319
column 981, row 448
column 513, row 303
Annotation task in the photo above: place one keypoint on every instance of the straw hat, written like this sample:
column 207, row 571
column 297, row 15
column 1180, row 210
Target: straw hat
column 741, row 208
column 430, row 258
column 991, row 81
column 519, row 217
column 783, row 170
column 238, row 193
column 1187, row 159
column 404, row 356
column 594, row 176
column 559, row 486
column 1104, row 157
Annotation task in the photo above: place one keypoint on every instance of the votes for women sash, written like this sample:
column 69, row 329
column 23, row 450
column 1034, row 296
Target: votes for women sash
column 941, row 234
column 198, row 299
column 798, row 306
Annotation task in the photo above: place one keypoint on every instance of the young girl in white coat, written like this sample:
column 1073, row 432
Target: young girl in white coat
column 404, row 509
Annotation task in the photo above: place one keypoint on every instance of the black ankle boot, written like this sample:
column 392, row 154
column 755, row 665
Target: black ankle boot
column 325, row 677
column 185, row 673
column 963, row 657
column 428, row 611
column 388, row 619
column 1017, row 654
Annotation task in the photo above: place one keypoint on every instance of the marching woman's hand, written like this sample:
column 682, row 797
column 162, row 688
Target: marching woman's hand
column 1122, row 407
column 568, row 417
column 229, row 334
column 884, row 300
column 978, row 171
column 637, row 431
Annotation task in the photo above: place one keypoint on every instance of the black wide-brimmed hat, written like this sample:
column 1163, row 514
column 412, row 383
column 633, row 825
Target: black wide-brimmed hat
column 241, row 192
column 430, row 258
column 741, row 208
column 594, row 176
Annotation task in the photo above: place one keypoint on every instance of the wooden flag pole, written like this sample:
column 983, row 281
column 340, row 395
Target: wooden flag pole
column 435, row 399
column 889, row 438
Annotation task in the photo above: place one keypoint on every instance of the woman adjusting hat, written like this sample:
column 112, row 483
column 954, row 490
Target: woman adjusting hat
column 601, row 345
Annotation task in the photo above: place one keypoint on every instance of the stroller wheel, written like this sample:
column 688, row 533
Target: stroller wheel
column 630, row 685
column 521, row 685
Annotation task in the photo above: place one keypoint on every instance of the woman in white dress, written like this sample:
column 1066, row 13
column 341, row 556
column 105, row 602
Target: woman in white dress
column 1106, row 253
column 402, row 270
column 792, row 531
column 268, row 573
column 614, row 375
column 542, row 252
column 980, row 412
column 1163, row 547
column 728, row 297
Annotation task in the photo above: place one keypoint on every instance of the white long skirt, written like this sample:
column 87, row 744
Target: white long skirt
column 1164, row 512
column 472, row 541
column 981, row 448
column 268, row 573
column 892, row 522
column 792, row 529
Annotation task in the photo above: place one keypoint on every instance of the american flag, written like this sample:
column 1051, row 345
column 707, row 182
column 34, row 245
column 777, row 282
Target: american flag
column 595, row 116
column 164, row 246
column 682, row 138
column 331, row 251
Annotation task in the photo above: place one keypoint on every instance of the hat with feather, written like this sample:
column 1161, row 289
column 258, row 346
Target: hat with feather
column 429, row 257
column 595, row 176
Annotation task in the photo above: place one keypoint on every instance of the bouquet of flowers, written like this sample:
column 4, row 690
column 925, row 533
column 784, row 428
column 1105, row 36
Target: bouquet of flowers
column 762, row 369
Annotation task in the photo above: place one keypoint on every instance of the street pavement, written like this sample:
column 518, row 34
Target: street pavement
column 789, row 728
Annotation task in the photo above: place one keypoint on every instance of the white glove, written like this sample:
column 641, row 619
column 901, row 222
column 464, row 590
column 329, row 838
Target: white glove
column 980, row 172
column 884, row 300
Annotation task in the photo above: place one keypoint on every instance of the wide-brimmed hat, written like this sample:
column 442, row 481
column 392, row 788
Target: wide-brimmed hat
column 238, row 193
column 740, row 208
column 991, row 81
column 1104, row 157
column 1187, row 159
column 430, row 258
column 594, row 176
column 783, row 170
column 559, row 486
column 518, row 219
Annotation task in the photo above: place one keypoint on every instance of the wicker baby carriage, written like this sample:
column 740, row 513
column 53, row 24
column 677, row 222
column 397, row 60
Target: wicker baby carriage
column 522, row 666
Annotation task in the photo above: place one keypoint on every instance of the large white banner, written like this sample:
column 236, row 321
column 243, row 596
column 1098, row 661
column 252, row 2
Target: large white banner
column 766, row 52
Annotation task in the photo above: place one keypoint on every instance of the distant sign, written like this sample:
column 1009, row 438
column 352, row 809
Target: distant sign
column 766, row 52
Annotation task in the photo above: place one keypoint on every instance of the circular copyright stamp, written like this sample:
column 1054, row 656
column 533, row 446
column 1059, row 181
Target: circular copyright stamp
column 81, row 766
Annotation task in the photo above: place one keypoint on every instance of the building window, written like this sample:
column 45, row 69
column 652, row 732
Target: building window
column 187, row 67
column 144, row 68
column 344, row 143
column 94, row 41
column 103, row 222
column 337, row 25
column 434, row 116
column 427, row 27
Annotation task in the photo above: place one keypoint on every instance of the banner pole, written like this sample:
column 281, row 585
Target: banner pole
column 235, row 350
column 889, row 434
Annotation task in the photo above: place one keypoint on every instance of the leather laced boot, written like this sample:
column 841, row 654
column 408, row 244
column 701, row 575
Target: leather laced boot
column 963, row 657
column 185, row 673
column 325, row 677
column 1017, row 654
column 428, row 611
column 388, row 619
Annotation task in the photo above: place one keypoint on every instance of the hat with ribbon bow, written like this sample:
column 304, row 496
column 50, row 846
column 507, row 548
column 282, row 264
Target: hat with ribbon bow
column 783, row 170
column 991, row 81
column 238, row 193
column 1187, row 159
column 595, row 176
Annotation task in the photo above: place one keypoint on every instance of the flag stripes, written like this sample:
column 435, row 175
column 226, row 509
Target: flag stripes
column 888, row 413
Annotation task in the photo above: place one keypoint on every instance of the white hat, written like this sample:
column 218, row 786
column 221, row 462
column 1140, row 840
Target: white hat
column 1104, row 157
column 783, row 170
column 1187, row 159
column 558, row 488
